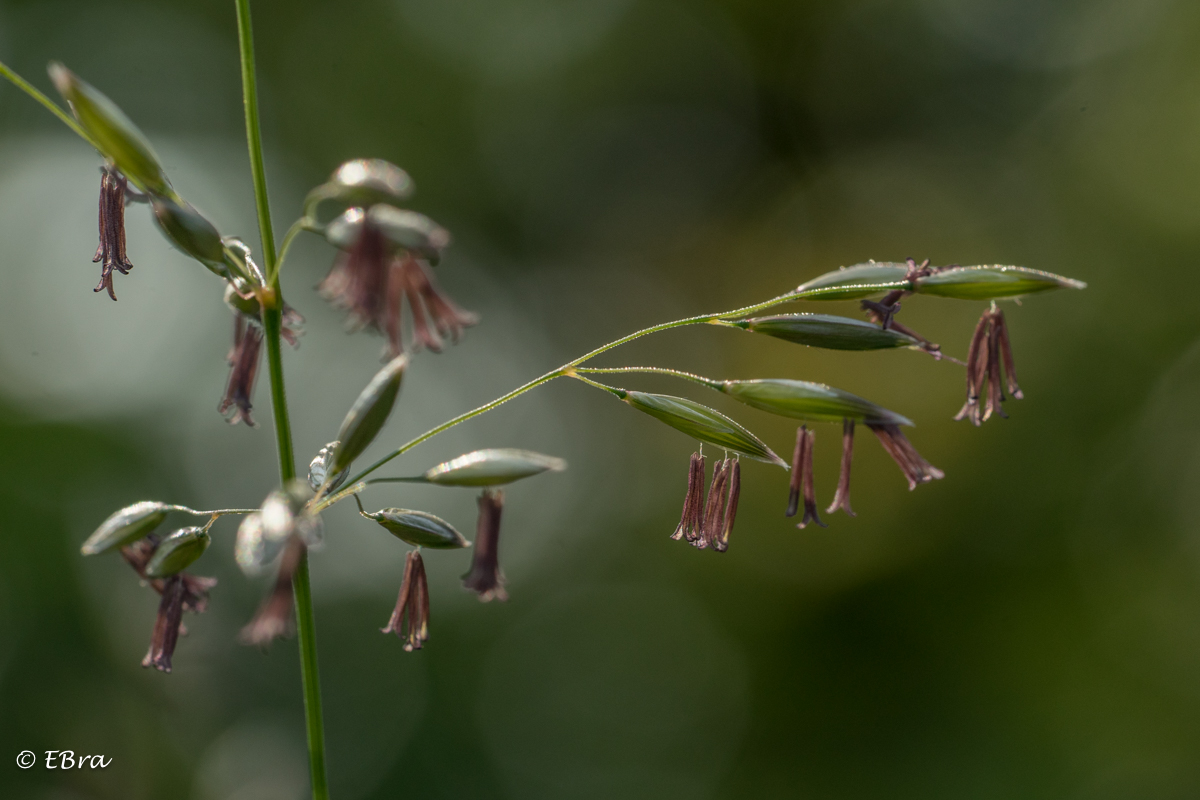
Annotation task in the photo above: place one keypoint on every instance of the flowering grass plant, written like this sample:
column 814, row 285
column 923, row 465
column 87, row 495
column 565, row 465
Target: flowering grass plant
column 384, row 279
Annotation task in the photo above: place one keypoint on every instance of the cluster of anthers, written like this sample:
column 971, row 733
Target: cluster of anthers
column 383, row 267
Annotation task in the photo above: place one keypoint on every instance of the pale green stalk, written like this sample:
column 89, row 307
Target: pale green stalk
column 272, row 323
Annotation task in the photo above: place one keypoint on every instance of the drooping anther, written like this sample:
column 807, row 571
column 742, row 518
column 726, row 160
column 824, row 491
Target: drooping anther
column 374, row 279
column 274, row 616
column 915, row 468
column 841, row 498
column 358, row 280
column 802, row 479
column 411, row 614
column 714, row 509
column 166, row 625
column 718, row 536
column 990, row 368
column 485, row 577
column 691, row 521
column 111, row 250
column 243, row 369
column 435, row 317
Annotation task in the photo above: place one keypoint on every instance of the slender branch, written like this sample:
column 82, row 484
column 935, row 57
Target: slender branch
column 320, row 504
column 297, row 228
column 429, row 434
column 718, row 318
column 51, row 106
column 675, row 373
column 569, row 368
column 272, row 324
column 618, row 392
column 217, row 512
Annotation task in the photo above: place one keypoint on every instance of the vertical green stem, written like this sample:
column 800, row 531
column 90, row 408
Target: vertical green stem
column 272, row 323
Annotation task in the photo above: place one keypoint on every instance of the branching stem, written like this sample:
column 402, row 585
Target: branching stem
column 569, row 369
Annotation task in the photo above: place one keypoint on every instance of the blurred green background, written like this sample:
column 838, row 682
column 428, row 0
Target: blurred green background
column 1028, row 627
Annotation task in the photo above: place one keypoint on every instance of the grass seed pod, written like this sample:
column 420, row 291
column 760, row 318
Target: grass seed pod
column 493, row 467
column 406, row 230
column 409, row 230
column 703, row 423
column 815, row 402
column 363, row 182
column 176, row 552
column 419, row 528
column 115, row 134
column 992, row 282
column 828, row 331
column 188, row 230
column 851, row 283
column 368, row 414
column 126, row 526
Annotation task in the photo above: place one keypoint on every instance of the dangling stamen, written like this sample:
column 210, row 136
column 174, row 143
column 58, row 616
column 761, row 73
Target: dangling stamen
column 915, row 468
column 806, row 470
column 434, row 316
column 274, row 617
column 111, row 250
column 166, row 626
column 976, row 371
column 714, row 508
column 797, row 473
column 995, row 389
column 720, row 539
column 841, row 498
column 1010, row 370
column 691, row 522
column 485, row 577
column 412, row 605
column 243, row 360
